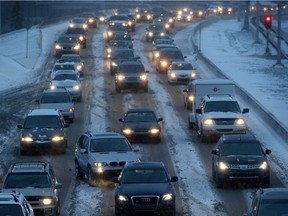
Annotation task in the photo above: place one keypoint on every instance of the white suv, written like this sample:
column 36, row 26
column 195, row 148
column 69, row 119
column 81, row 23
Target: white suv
column 15, row 204
column 219, row 114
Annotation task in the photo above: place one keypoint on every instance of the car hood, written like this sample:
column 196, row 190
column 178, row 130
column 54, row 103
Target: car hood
column 128, row 156
column 140, row 125
column 43, row 132
column 183, row 72
column 59, row 106
column 226, row 115
column 67, row 44
column 243, row 159
column 65, row 83
column 32, row 191
column 172, row 59
column 145, row 189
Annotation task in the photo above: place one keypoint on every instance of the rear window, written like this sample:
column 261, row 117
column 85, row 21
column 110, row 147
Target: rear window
column 55, row 97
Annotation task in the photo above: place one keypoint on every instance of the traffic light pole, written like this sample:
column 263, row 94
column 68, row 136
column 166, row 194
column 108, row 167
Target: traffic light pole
column 267, row 43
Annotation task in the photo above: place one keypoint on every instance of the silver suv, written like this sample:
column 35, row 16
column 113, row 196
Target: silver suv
column 58, row 99
column 37, row 182
column 102, row 154
column 219, row 114
column 15, row 204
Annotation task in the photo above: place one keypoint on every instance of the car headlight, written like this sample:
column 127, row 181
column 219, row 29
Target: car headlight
column 154, row 130
column 148, row 16
column 52, row 87
column 167, row 26
column 222, row 166
column 27, row 139
column 79, row 67
column 120, row 77
column 193, row 75
column 191, row 98
column 240, row 121
column 156, row 54
column 100, row 164
column 57, row 138
column 138, row 16
column 71, row 25
column 46, row 201
column 122, row 198
column 114, row 64
column 179, row 17
column 76, row 47
column 109, row 33
column 150, row 34
column 164, row 63
column 189, row 18
column 200, row 13
column 130, row 23
column 109, row 50
column 168, row 196
column 127, row 131
column 81, row 38
column 71, row 109
column 76, row 87
column 84, row 26
column 171, row 20
column 91, row 20
column 173, row 75
column 143, row 77
column 264, row 165
column 57, row 46
column 208, row 122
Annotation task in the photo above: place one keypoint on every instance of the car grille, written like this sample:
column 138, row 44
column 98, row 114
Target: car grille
column 145, row 203
column 41, row 139
column 115, row 163
column 34, row 200
column 66, row 87
column 224, row 121
column 244, row 166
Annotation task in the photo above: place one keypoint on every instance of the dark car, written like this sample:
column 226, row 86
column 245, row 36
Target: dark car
column 145, row 187
column 67, row 44
column 113, row 30
column 124, row 37
column 125, row 20
column 80, row 33
column 119, row 56
column 90, row 19
column 143, row 15
column 116, row 44
column 268, row 202
column 166, row 57
column 141, row 124
column 240, row 158
column 155, row 29
column 43, row 129
column 131, row 75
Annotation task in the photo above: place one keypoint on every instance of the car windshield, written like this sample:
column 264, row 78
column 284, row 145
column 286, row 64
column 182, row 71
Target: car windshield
column 55, row 97
column 27, row 180
column 236, row 148
column 124, row 55
column 117, row 28
column 222, row 106
column 140, row 117
column 60, row 77
column 70, row 59
column 175, row 54
column 269, row 207
column 42, row 122
column 144, row 176
column 79, row 20
column 161, row 41
column 182, row 66
column 131, row 69
column 122, row 37
column 118, row 43
column 156, row 28
column 75, row 31
column 109, row 145
column 64, row 67
column 67, row 40
column 120, row 18
column 10, row 210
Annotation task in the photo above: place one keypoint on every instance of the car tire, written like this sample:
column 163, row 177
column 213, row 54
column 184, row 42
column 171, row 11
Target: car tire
column 213, row 172
column 145, row 89
column 191, row 125
column 71, row 120
column 218, row 180
column 202, row 136
column 266, row 182
column 79, row 98
column 90, row 177
column 118, row 90
column 79, row 174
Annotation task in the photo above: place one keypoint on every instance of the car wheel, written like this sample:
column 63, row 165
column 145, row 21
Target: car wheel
column 146, row 89
column 188, row 106
column 202, row 136
column 79, row 98
column 118, row 90
column 90, row 176
column 191, row 125
column 63, row 149
column 266, row 182
column 219, row 182
column 58, row 209
column 78, row 172
column 71, row 120
column 213, row 173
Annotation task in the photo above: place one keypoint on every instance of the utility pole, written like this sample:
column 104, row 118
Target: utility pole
column 246, row 18
column 280, row 6
column 257, row 22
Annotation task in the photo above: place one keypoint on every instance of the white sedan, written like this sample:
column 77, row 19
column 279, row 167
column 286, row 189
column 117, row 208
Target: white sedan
column 181, row 72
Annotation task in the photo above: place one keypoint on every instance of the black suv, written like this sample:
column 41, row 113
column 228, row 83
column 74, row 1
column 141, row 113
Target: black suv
column 141, row 124
column 270, row 202
column 43, row 129
column 145, row 187
column 37, row 182
column 131, row 74
column 240, row 158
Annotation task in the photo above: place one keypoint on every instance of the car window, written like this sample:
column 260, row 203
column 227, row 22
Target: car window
column 70, row 59
column 64, row 67
column 171, row 54
column 222, row 106
column 11, row 210
column 61, row 77
column 182, row 66
column 140, row 116
column 67, row 40
column 109, row 145
column 26, row 180
column 55, row 97
column 269, row 207
column 131, row 68
column 42, row 122
column 144, row 176
column 241, row 149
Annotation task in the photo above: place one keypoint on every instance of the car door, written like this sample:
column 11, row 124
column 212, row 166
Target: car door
column 198, row 117
column 81, row 151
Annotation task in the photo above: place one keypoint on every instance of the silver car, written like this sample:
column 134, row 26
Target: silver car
column 102, row 155
column 181, row 72
column 69, row 80
column 58, row 99
column 76, row 59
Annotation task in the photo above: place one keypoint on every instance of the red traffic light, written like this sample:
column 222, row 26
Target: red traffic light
column 268, row 22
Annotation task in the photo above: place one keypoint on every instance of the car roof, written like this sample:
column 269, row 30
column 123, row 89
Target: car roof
column 57, row 90
column 13, row 197
column 99, row 135
column 65, row 72
column 145, row 164
column 44, row 112
column 181, row 62
column 132, row 62
column 238, row 138
column 273, row 193
column 31, row 167
column 220, row 97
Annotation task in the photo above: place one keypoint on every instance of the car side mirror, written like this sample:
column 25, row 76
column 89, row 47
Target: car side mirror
column 121, row 120
column 185, row 90
column 147, row 71
column 214, row 152
column 20, row 126
column 245, row 110
column 185, row 56
column 174, row 179
column 199, row 111
column 58, row 186
column 160, row 119
column 115, row 179
column 268, row 151
column 37, row 101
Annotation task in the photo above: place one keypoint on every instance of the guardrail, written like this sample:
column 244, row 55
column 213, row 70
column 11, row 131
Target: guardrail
column 275, row 125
